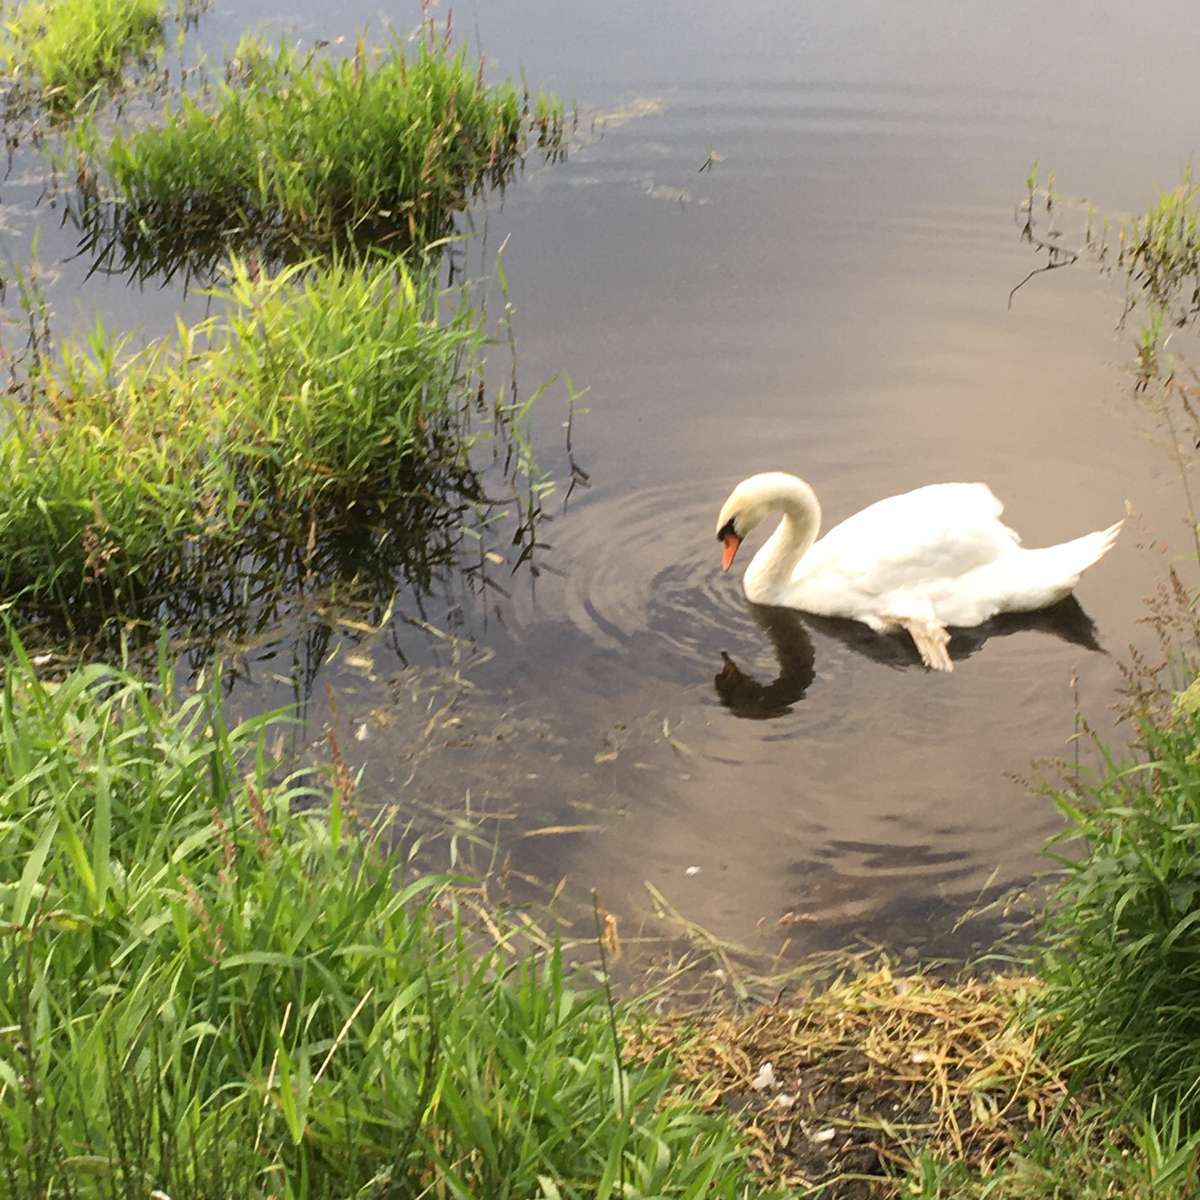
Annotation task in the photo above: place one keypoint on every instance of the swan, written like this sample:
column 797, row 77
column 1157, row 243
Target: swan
column 921, row 561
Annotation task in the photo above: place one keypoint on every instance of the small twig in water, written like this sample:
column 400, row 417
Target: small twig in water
column 1052, row 265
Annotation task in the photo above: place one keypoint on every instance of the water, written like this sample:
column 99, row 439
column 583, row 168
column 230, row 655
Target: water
column 830, row 297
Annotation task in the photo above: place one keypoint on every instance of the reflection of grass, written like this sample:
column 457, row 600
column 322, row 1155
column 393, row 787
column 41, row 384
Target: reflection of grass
column 70, row 46
column 212, row 985
column 304, row 408
column 302, row 154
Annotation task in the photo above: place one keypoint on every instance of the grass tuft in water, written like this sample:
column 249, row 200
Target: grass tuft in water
column 1157, row 251
column 214, row 981
column 1160, row 250
column 313, row 404
column 297, row 155
column 59, row 51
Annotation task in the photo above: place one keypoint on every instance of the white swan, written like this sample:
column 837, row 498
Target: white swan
column 920, row 561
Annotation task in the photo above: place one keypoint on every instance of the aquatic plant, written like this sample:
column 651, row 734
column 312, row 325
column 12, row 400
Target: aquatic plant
column 215, row 981
column 1160, row 251
column 314, row 405
column 301, row 154
column 58, row 51
column 1157, row 251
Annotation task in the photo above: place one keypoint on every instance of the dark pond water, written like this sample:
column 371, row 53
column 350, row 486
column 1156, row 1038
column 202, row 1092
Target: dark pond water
column 829, row 297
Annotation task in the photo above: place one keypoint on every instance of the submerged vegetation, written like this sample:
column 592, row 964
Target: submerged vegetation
column 216, row 982
column 297, row 156
column 323, row 422
column 58, row 51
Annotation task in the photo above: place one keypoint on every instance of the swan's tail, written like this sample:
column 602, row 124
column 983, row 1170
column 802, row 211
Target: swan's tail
column 1074, row 557
column 1051, row 573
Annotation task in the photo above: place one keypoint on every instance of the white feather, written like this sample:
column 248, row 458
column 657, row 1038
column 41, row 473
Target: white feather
column 931, row 558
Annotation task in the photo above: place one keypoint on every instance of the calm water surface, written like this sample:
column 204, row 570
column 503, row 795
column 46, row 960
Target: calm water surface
column 829, row 297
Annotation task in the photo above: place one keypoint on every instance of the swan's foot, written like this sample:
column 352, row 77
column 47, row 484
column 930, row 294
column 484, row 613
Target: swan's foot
column 933, row 643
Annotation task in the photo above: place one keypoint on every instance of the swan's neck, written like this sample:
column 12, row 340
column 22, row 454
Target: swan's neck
column 774, row 566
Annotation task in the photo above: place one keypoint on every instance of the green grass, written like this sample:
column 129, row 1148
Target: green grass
column 312, row 404
column 1160, row 250
column 1122, row 950
column 61, row 50
column 301, row 154
column 215, row 982
column 1102, row 1160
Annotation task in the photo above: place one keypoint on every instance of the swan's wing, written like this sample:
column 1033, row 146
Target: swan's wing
column 936, row 532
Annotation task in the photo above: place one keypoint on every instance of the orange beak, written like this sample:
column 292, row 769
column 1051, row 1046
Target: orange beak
column 732, row 542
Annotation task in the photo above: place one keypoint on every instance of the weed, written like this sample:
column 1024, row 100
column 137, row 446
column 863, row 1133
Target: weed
column 1160, row 251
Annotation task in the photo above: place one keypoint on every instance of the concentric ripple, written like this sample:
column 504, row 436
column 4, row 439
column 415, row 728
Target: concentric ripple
column 640, row 569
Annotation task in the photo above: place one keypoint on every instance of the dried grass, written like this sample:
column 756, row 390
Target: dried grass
column 870, row 1074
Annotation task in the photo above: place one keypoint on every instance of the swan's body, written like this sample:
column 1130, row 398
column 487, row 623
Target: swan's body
column 921, row 561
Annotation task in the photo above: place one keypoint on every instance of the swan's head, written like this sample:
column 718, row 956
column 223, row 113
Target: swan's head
column 747, row 505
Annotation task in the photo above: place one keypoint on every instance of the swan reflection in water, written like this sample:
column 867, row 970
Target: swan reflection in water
column 790, row 634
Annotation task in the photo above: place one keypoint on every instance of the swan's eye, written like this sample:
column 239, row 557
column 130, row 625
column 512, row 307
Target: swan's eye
column 728, row 530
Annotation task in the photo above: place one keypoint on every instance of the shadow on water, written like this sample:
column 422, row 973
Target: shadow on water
column 790, row 635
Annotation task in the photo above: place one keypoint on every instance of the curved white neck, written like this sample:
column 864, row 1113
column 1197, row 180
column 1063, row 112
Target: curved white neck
column 773, row 567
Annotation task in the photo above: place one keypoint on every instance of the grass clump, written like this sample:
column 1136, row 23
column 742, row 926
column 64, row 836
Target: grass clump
column 59, row 51
column 1122, row 960
column 299, row 155
column 311, row 405
column 215, row 983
